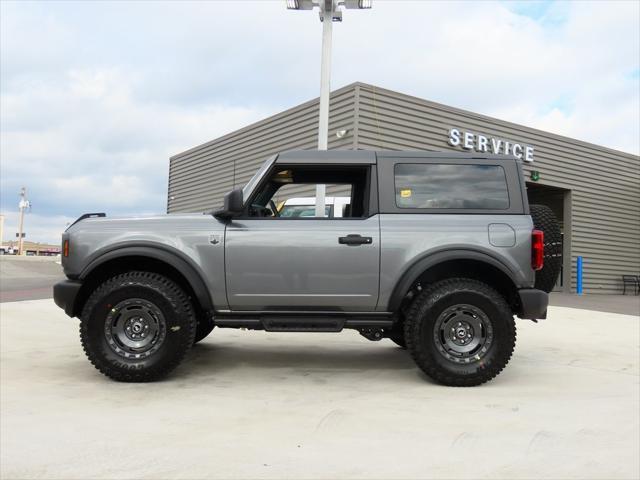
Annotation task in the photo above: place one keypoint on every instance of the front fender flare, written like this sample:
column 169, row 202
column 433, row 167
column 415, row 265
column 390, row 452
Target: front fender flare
column 171, row 257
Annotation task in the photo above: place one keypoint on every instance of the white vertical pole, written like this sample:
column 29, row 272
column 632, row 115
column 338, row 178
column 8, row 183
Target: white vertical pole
column 22, row 205
column 325, row 88
column 325, row 81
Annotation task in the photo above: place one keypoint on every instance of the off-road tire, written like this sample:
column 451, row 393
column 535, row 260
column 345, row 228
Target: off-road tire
column 420, row 326
column 169, row 300
column 544, row 219
column 203, row 328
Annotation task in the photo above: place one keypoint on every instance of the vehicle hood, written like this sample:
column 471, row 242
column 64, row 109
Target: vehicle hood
column 186, row 235
column 174, row 222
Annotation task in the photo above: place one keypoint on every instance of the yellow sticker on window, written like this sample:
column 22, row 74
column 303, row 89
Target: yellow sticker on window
column 405, row 193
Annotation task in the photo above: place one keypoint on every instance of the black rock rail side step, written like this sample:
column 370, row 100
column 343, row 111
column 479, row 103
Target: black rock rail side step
column 302, row 322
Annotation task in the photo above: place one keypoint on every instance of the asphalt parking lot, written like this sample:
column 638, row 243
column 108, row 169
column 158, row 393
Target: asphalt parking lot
column 258, row 405
column 28, row 278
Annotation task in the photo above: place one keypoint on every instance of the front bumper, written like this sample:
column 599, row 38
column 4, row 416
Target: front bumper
column 534, row 304
column 65, row 294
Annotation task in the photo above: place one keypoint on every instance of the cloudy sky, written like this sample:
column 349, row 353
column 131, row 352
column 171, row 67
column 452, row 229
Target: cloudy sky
column 95, row 96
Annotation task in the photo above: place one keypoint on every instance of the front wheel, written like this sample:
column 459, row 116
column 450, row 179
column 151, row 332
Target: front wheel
column 137, row 327
column 460, row 332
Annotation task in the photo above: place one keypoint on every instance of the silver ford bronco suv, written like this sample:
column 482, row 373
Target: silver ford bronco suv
column 435, row 251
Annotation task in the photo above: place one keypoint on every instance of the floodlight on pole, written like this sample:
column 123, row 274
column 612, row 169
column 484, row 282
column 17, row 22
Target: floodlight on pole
column 330, row 9
column 309, row 4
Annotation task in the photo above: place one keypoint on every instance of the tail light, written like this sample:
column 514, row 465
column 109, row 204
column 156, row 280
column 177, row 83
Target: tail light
column 537, row 249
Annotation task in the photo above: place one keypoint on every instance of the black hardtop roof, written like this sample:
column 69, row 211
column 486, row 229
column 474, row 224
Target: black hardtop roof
column 364, row 157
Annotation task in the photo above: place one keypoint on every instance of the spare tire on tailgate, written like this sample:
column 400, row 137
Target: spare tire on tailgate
column 544, row 219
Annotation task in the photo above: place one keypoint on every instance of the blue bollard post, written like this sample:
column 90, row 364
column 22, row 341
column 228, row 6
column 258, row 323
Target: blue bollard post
column 579, row 277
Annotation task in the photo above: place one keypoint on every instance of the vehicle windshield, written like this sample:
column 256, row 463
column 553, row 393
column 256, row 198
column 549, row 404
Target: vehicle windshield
column 251, row 184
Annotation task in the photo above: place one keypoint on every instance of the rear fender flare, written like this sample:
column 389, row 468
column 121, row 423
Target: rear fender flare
column 421, row 265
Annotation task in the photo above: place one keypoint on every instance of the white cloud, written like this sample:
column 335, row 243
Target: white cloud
column 38, row 228
column 98, row 148
column 120, row 190
column 96, row 96
column 484, row 57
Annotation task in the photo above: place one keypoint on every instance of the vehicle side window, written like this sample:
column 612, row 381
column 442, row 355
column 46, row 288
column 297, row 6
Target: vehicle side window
column 448, row 186
column 289, row 192
column 301, row 211
column 295, row 200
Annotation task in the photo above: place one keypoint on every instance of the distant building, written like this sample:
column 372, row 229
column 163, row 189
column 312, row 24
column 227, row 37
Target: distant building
column 30, row 248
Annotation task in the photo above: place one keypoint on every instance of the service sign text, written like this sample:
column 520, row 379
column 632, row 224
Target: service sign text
column 485, row 144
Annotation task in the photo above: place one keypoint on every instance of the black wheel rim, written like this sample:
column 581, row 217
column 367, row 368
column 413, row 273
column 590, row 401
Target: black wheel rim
column 135, row 328
column 463, row 334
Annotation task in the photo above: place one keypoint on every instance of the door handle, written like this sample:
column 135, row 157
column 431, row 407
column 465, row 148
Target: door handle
column 354, row 239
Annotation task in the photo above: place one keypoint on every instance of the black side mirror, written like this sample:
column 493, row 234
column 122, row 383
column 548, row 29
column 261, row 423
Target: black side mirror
column 232, row 205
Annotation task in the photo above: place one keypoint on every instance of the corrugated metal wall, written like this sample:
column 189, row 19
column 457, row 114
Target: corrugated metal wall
column 602, row 202
column 603, row 225
column 200, row 177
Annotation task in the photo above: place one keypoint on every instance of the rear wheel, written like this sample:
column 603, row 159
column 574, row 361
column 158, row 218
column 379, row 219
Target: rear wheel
column 137, row 327
column 460, row 332
column 544, row 219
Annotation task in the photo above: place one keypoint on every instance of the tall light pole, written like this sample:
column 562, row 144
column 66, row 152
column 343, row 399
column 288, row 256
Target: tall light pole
column 22, row 205
column 330, row 11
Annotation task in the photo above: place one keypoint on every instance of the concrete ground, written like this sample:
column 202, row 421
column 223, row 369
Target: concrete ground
column 625, row 304
column 259, row 405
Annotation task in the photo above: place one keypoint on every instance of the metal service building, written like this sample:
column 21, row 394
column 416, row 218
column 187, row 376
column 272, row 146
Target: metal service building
column 593, row 190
